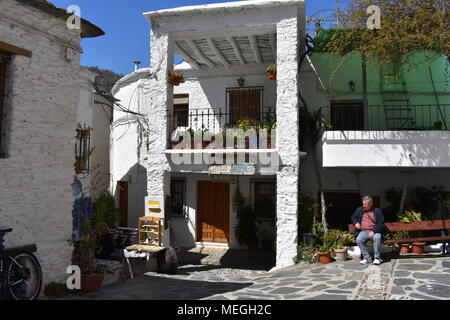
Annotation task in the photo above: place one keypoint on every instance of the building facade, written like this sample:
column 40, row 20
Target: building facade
column 220, row 45
column 41, row 74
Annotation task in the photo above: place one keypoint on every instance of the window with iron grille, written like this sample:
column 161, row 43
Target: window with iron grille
column 244, row 104
column 82, row 150
column 178, row 197
column 3, row 66
column 265, row 200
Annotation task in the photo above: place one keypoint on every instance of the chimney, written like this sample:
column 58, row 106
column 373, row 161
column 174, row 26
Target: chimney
column 136, row 65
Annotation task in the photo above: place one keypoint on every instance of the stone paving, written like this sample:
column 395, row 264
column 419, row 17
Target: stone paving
column 407, row 278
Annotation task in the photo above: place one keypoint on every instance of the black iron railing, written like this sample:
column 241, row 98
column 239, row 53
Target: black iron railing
column 386, row 117
column 217, row 121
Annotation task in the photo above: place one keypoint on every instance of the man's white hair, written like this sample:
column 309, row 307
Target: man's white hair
column 368, row 198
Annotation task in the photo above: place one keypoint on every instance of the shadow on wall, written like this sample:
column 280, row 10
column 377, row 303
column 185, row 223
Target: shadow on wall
column 130, row 193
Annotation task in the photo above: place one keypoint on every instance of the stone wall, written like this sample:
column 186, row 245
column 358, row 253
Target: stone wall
column 35, row 192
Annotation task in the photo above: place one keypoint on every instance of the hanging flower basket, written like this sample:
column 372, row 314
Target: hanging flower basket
column 175, row 78
column 271, row 72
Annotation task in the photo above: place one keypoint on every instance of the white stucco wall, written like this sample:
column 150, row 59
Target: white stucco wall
column 417, row 149
column 128, row 143
column 100, row 140
column 35, row 193
column 206, row 88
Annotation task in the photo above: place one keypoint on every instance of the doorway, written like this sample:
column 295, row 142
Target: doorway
column 213, row 212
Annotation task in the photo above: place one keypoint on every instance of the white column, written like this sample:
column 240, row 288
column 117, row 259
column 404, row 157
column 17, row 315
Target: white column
column 287, row 140
column 159, row 99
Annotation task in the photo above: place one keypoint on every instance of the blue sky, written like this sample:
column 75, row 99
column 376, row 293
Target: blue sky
column 127, row 36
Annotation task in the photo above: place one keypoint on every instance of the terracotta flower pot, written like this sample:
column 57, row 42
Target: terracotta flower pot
column 341, row 254
column 418, row 247
column 91, row 283
column 272, row 75
column 325, row 257
column 404, row 248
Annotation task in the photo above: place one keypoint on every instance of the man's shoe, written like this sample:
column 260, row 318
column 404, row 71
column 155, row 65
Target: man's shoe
column 365, row 262
column 377, row 262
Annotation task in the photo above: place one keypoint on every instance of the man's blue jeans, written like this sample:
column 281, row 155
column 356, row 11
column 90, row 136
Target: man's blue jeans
column 361, row 241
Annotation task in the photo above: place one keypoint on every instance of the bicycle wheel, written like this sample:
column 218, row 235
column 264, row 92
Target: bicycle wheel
column 24, row 278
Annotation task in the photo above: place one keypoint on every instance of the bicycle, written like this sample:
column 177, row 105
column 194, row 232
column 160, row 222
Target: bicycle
column 20, row 271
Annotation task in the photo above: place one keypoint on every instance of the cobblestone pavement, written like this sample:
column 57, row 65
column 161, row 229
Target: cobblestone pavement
column 411, row 278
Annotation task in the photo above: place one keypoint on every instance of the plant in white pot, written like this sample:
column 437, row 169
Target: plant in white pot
column 343, row 241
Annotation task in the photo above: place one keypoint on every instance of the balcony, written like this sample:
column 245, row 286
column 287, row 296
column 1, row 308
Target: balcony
column 351, row 117
column 389, row 136
column 222, row 128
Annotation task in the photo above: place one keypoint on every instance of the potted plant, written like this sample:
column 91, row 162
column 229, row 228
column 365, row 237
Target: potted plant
column 418, row 247
column 272, row 72
column 324, row 255
column 83, row 131
column 85, row 241
column 344, row 239
column 175, row 78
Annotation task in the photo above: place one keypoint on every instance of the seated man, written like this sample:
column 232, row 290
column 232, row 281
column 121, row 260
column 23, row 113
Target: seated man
column 369, row 224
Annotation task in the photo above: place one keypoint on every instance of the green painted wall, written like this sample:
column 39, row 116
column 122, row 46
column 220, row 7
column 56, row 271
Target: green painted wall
column 416, row 82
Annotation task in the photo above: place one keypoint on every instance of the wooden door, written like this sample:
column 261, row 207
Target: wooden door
column 123, row 204
column 244, row 104
column 213, row 211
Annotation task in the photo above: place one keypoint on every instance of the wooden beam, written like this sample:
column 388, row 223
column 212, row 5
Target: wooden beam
column 217, row 52
column 237, row 51
column 186, row 57
column 8, row 48
column 255, row 48
column 273, row 44
column 200, row 54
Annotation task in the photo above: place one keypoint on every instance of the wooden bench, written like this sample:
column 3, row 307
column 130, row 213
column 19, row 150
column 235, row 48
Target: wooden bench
column 434, row 225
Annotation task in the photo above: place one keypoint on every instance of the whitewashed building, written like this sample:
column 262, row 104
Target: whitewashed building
column 226, row 49
column 40, row 81
column 220, row 44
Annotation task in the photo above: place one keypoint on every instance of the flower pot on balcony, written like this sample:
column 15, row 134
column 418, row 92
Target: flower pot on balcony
column 175, row 78
column 325, row 257
column 272, row 75
column 418, row 247
column 272, row 72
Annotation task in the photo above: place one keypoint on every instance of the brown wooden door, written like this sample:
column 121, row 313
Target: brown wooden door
column 213, row 211
column 123, row 204
column 244, row 104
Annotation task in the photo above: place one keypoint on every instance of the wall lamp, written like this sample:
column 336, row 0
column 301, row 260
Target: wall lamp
column 241, row 82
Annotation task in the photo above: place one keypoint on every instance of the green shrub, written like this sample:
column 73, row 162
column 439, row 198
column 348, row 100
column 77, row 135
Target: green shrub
column 306, row 254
